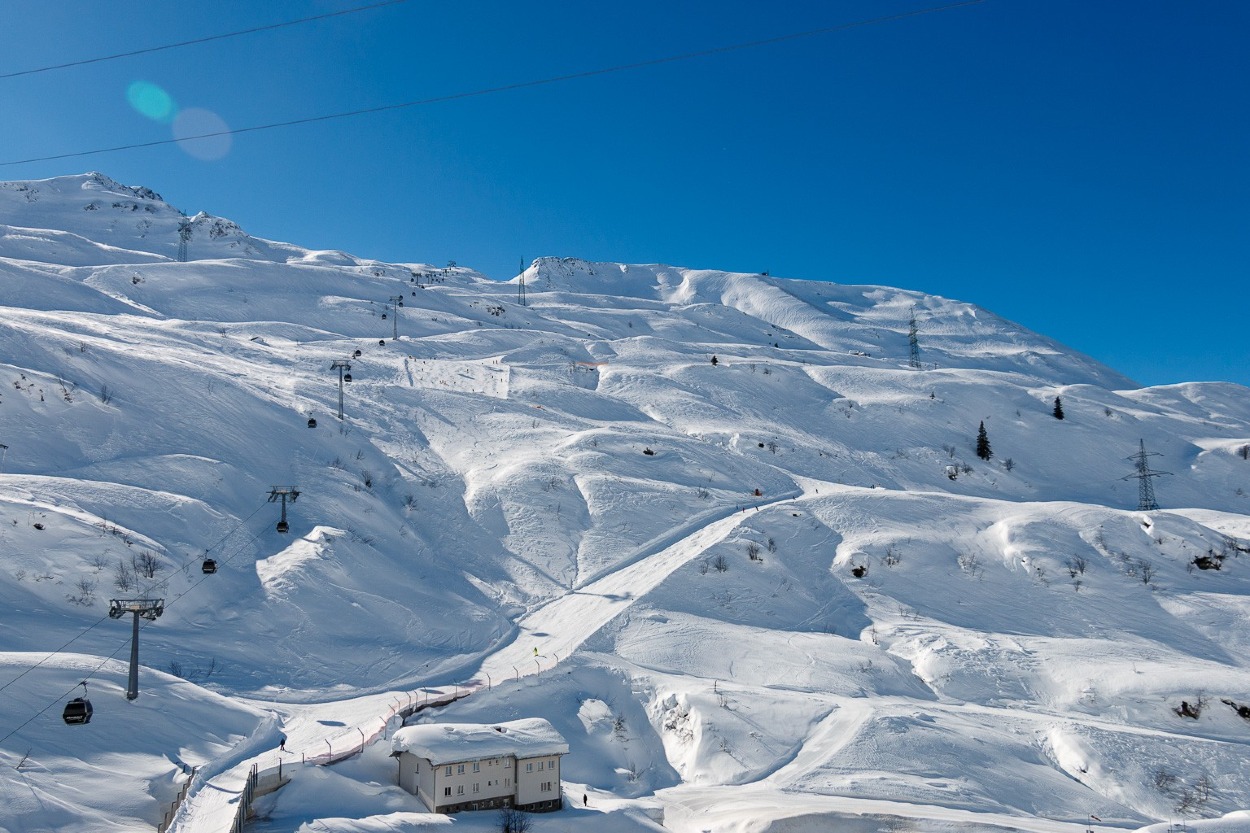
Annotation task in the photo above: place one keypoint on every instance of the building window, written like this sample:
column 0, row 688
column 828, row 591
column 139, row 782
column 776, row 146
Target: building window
column 529, row 767
column 460, row 769
column 477, row 767
column 475, row 788
column 446, row 790
column 507, row 763
column 546, row 786
column 460, row 790
column 540, row 766
column 448, row 771
column 507, row 782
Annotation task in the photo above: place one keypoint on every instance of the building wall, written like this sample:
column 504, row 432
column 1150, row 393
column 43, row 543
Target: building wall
column 494, row 779
column 407, row 776
column 538, row 782
column 425, row 781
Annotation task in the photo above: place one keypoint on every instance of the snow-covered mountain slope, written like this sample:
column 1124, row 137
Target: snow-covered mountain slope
column 755, row 544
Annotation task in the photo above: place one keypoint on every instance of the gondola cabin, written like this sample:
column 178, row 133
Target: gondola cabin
column 312, row 423
column 77, row 711
column 209, row 566
column 283, row 526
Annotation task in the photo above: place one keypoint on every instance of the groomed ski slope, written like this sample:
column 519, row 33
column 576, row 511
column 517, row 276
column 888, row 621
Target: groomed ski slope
column 871, row 644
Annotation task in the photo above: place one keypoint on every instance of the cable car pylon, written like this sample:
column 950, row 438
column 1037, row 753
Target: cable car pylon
column 149, row 609
column 277, row 494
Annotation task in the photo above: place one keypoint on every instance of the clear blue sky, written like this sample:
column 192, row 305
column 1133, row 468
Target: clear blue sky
column 1079, row 166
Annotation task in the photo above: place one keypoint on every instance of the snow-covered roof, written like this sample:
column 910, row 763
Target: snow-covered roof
column 443, row 743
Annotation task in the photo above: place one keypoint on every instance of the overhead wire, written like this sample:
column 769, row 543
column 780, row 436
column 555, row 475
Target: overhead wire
column 518, row 85
column 194, row 41
column 379, row 109
column 147, row 590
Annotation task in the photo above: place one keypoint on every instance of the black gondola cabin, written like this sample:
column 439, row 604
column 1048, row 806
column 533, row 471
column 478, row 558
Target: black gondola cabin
column 77, row 711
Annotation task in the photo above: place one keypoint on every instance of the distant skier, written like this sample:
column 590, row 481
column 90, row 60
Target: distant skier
column 585, row 803
column 535, row 650
column 282, row 743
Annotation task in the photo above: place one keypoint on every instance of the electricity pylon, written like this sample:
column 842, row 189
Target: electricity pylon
column 149, row 609
column 912, row 341
column 520, row 287
column 184, row 235
column 1145, row 489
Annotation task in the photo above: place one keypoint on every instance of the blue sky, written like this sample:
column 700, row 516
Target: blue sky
column 1082, row 168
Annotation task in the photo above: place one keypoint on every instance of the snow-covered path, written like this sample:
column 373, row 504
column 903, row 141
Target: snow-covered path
column 693, row 809
column 556, row 629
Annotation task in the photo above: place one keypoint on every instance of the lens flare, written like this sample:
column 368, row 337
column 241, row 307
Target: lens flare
column 195, row 121
column 151, row 101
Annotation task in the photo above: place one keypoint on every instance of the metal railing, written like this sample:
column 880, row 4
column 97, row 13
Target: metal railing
column 245, row 801
column 176, row 803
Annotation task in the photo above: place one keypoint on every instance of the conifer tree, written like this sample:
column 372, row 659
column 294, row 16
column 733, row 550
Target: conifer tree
column 983, row 443
column 1058, row 412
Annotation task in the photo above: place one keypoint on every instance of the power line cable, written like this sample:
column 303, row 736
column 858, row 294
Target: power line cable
column 194, row 41
column 519, row 85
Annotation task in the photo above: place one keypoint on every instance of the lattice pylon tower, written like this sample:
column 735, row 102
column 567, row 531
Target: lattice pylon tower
column 913, row 342
column 1145, row 489
column 184, row 235
column 520, row 287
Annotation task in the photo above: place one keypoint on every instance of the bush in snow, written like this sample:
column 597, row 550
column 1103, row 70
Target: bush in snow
column 86, row 592
column 123, row 577
column 512, row 820
column 147, row 564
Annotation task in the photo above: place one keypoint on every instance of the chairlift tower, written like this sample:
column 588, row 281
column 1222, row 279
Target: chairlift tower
column 149, row 609
column 184, row 236
column 276, row 495
column 912, row 341
column 1145, row 489
column 520, row 287
column 396, row 302
column 344, row 368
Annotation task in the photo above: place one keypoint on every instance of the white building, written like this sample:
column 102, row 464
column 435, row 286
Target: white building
column 469, row 766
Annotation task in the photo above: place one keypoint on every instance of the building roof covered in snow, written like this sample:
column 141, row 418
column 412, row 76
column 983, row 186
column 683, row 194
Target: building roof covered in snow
column 442, row 743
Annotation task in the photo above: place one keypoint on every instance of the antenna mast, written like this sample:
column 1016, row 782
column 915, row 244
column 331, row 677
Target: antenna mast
column 520, row 287
column 1145, row 489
